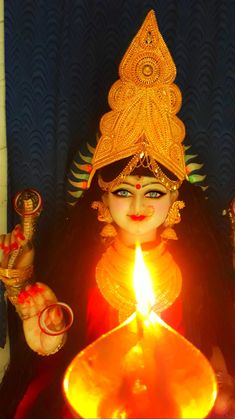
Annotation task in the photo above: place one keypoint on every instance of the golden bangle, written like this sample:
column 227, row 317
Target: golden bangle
column 15, row 280
column 16, row 277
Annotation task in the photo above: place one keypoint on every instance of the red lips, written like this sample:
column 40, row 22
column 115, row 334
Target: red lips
column 137, row 217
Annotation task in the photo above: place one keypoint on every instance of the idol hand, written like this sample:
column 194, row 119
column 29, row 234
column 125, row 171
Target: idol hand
column 12, row 242
column 31, row 302
column 17, row 252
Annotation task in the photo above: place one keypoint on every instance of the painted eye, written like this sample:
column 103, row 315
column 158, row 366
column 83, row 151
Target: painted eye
column 122, row 193
column 154, row 194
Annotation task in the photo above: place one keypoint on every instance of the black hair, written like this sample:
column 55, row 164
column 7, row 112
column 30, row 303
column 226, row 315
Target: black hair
column 111, row 171
column 206, row 283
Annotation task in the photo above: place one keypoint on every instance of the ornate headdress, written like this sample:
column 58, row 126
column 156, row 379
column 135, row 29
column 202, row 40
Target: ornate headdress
column 144, row 101
column 142, row 124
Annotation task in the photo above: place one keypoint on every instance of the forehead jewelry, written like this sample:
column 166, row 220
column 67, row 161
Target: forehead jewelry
column 138, row 186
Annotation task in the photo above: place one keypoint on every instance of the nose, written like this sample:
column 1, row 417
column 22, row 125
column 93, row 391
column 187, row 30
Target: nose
column 137, row 205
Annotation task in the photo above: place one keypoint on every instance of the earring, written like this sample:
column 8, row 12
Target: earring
column 173, row 217
column 108, row 231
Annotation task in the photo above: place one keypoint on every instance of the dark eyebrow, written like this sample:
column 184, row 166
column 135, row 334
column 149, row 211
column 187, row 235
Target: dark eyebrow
column 143, row 186
column 152, row 183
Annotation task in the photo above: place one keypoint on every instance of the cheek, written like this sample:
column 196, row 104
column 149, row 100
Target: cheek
column 117, row 205
column 160, row 209
column 118, row 208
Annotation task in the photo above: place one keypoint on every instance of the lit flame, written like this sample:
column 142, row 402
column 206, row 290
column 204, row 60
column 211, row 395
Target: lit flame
column 143, row 285
column 153, row 373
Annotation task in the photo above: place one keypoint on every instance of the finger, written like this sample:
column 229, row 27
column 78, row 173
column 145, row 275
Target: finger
column 47, row 292
column 24, row 306
column 5, row 250
column 38, row 297
column 56, row 316
column 34, row 289
column 19, row 235
column 31, row 299
column 6, row 243
column 39, row 292
column 22, row 297
column 53, row 319
column 29, row 306
column 33, row 309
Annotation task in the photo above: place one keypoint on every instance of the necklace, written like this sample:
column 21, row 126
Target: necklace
column 114, row 274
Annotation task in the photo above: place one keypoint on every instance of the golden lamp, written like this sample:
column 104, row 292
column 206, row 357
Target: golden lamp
column 141, row 369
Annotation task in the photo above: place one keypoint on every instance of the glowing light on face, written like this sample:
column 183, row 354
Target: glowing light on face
column 140, row 210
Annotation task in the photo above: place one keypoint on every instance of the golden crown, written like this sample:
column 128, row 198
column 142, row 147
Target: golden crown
column 144, row 101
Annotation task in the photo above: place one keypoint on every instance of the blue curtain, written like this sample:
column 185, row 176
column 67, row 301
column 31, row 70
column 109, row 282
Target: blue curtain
column 62, row 57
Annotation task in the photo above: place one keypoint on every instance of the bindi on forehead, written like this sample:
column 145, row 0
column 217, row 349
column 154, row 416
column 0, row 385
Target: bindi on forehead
column 140, row 182
column 138, row 185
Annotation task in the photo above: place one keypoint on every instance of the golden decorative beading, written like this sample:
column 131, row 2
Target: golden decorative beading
column 104, row 215
column 173, row 216
column 140, row 160
column 103, row 211
column 144, row 103
column 15, row 280
column 114, row 273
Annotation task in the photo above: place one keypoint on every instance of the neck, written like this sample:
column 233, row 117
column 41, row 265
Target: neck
column 131, row 239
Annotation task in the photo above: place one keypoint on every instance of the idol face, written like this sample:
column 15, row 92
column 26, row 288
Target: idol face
column 139, row 205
